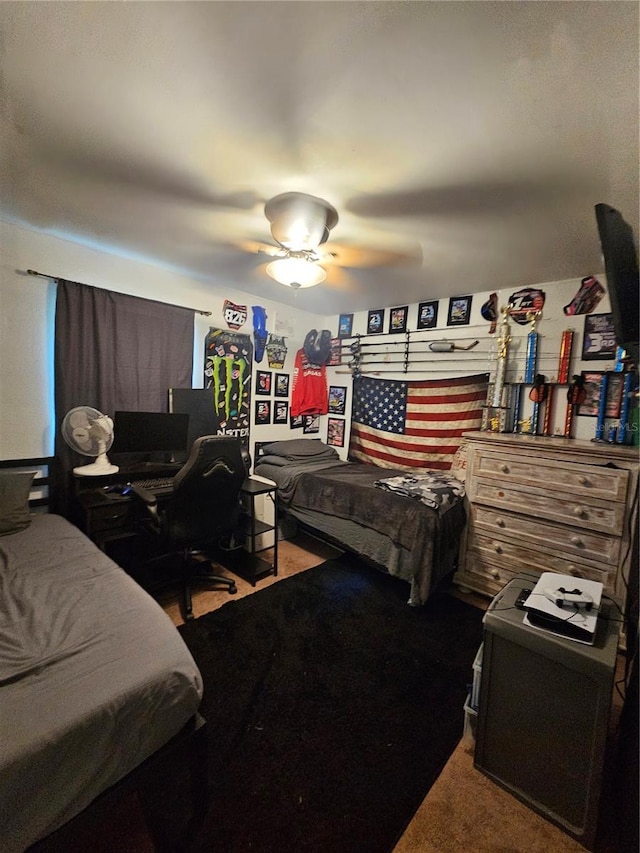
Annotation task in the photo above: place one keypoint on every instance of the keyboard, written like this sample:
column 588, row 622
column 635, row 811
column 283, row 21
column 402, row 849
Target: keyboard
column 156, row 485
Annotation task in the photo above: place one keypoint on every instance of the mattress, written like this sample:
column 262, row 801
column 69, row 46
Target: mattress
column 94, row 677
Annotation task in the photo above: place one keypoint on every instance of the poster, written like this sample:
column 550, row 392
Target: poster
column 228, row 358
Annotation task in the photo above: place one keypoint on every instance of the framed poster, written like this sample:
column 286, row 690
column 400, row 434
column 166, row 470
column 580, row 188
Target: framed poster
column 428, row 315
column 263, row 382
column 459, row 311
column 311, row 424
column 345, row 325
column 335, row 432
column 282, row 385
column 263, row 411
column 599, row 340
column 398, row 319
column 336, row 352
column 296, row 421
column 592, row 386
column 337, row 399
column 375, row 322
column 280, row 412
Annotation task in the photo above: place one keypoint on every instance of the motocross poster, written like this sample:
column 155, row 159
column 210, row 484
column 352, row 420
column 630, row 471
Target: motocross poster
column 228, row 358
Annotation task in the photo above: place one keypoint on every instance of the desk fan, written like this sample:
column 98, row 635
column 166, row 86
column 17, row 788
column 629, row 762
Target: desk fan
column 89, row 432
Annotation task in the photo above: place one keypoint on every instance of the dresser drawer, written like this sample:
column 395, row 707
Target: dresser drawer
column 568, row 542
column 483, row 578
column 487, row 556
column 563, row 508
column 582, row 480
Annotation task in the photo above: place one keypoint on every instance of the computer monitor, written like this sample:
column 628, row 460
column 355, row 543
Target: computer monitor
column 151, row 436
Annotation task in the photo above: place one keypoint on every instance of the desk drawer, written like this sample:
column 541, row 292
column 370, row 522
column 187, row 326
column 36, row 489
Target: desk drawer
column 110, row 516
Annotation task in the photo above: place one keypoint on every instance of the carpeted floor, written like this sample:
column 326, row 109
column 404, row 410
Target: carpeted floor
column 332, row 707
column 463, row 810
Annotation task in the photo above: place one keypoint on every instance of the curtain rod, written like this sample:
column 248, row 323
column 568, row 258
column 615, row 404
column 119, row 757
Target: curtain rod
column 158, row 301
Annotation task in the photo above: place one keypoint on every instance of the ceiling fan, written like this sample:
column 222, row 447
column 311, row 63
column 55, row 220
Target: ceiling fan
column 300, row 226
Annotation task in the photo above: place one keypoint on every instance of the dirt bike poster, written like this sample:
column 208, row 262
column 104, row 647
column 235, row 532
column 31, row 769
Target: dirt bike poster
column 228, row 359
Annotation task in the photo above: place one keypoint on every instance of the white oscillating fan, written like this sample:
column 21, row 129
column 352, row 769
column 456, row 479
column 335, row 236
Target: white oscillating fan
column 89, row 432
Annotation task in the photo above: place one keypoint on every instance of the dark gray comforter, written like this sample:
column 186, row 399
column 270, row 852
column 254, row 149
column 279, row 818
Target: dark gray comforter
column 347, row 490
column 94, row 678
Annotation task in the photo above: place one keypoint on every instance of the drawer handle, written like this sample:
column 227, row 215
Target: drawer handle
column 500, row 522
column 497, row 548
column 576, row 540
column 504, row 468
column 580, row 512
column 494, row 573
column 584, row 481
column 574, row 571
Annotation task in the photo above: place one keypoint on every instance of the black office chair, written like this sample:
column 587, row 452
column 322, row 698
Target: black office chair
column 203, row 508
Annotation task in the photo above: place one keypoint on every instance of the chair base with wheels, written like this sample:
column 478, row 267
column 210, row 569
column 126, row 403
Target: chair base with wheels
column 190, row 577
column 202, row 510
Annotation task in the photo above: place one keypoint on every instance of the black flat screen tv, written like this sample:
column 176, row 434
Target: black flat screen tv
column 621, row 266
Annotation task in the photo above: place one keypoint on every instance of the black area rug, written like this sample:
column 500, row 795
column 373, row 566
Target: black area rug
column 332, row 706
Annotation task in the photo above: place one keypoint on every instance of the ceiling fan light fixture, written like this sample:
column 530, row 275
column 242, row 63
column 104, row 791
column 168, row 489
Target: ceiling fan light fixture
column 296, row 272
column 300, row 222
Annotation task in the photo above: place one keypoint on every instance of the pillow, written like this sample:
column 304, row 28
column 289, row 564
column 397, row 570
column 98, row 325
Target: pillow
column 297, row 448
column 14, row 501
column 278, row 461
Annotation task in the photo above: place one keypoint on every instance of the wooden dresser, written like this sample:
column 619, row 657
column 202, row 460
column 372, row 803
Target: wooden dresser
column 549, row 504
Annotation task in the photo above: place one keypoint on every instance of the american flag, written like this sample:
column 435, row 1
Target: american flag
column 410, row 425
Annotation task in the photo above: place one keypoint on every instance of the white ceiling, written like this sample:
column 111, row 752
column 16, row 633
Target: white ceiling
column 465, row 142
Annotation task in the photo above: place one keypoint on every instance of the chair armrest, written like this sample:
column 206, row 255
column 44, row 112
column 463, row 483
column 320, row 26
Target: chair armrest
column 246, row 458
column 151, row 502
column 147, row 497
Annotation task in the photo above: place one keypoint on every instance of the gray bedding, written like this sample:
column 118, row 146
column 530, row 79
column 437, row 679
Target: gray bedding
column 94, row 678
column 423, row 540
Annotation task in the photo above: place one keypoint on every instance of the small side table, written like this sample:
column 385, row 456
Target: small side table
column 254, row 568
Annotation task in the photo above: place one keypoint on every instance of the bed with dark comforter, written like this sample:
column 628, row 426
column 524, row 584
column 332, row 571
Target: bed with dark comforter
column 362, row 508
column 94, row 677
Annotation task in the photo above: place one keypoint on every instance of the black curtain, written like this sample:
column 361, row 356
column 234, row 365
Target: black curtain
column 114, row 352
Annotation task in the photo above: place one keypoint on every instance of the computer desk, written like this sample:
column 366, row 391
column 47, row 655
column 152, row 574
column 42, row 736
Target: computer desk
column 110, row 519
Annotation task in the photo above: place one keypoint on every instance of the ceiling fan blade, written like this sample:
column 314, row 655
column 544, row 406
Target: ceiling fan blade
column 160, row 179
column 359, row 257
column 480, row 197
column 256, row 247
column 339, row 278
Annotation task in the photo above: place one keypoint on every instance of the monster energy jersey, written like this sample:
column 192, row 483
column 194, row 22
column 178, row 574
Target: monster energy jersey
column 309, row 393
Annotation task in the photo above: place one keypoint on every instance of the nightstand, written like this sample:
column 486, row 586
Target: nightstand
column 106, row 517
column 254, row 568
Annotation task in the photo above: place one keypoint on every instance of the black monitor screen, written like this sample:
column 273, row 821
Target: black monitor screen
column 150, row 432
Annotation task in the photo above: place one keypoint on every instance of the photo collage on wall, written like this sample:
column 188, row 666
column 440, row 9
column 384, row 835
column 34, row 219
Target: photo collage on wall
column 274, row 411
column 398, row 322
column 270, row 383
column 337, row 405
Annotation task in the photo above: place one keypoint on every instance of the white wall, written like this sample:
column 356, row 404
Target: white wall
column 26, row 332
column 482, row 357
column 27, row 306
